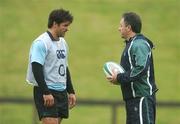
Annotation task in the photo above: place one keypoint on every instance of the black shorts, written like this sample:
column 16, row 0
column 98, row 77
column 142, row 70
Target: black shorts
column 58, row 110
column 141, row 110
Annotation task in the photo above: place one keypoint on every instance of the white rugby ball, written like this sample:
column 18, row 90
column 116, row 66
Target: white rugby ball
column 110, row 66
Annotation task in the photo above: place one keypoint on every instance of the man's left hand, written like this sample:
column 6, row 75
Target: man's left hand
column 71, row 100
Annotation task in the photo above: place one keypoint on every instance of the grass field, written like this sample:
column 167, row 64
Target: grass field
column 93, row 39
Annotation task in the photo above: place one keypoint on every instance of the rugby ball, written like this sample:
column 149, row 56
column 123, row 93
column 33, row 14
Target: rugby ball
column 110, row 66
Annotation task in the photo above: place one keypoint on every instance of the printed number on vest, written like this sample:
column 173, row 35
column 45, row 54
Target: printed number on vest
column 61, row 70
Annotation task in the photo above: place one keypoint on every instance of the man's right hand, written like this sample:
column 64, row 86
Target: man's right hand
column 113, row 77
column 48, row 100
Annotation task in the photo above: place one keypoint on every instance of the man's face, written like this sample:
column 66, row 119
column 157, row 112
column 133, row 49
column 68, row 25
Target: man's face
column 62, row 28
column 123, row 29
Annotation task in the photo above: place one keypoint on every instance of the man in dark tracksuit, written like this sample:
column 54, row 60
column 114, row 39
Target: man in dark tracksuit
column 138, row 82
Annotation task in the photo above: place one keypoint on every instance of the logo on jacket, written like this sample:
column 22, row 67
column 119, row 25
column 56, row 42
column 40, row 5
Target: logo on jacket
column 60, row 54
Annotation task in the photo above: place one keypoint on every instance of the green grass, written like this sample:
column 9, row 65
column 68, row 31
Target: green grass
column 93, row 39
column 17, row 114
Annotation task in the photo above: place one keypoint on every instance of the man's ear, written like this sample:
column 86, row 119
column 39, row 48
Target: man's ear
column 129, row 27
column 55, row 24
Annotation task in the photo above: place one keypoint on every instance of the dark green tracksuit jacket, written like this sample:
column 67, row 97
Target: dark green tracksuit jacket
column 137, row 60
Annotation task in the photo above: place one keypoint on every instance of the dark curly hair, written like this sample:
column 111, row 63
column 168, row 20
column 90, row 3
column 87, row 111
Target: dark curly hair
column 59, row 16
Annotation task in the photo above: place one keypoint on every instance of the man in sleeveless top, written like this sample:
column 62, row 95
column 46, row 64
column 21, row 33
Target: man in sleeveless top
column 48, row 70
